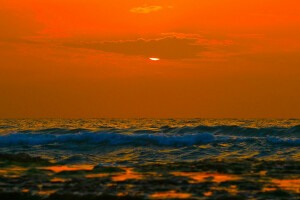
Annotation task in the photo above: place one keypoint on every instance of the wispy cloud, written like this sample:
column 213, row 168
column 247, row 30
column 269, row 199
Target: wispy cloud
column 146, row 9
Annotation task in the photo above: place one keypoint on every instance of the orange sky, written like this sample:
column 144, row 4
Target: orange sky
column 90, row 58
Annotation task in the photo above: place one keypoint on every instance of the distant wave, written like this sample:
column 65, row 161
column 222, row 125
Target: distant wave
column 231, row 130
column 236, row 130
column 6, row 127
column 131, row 139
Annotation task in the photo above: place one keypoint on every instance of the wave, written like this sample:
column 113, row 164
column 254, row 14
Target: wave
column 6, row 127
column 56, row 131
column 236, row 130
column 278, row 140
column 231, row 130
column 131, row 139
column 106, row 138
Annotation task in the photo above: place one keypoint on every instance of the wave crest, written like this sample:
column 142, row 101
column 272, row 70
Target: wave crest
column 131, row 139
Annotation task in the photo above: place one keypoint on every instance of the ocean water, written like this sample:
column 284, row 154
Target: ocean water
column 143, row 141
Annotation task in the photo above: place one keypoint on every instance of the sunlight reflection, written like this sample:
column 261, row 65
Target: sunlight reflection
column 43, row 192
column 57, row 169
column 202, row 177
column 288, row 184
column 207, row 193
column 170, row 194
column 129, row 175
column 59, row 180
column 95, row 175
column 267, row 189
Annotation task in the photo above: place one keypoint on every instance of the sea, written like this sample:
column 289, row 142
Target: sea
column 142, row 141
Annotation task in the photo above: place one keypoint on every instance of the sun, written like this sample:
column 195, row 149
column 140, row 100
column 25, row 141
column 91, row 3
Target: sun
column 154, row 59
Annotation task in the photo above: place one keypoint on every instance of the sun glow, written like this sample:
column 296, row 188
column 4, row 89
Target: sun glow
column 154, row 59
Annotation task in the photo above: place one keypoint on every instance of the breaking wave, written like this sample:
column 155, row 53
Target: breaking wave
column 160, row 139
column 232, row 130
column 237, row 130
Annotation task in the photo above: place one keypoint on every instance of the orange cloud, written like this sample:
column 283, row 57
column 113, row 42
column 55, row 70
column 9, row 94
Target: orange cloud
column 146, row 9
column 183, row 35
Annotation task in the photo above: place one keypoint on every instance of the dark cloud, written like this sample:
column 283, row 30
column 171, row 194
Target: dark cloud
column 165, row 48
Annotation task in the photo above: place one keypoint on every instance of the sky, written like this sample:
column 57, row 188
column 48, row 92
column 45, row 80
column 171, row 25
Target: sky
column 91, row 58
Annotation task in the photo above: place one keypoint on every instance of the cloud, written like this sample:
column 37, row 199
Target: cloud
column 169, row 46
column 146, row 9
column 183, row 35
column 165, row 47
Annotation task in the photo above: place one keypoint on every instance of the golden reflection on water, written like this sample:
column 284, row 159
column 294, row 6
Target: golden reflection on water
column 232, row 189
column 284, row 184
column 12, row 172
column 267, row 189
column 59, row 180
column 120, row 176
column 130, row 174
column 170, row 194
column 11, row 176
column 288, row 184
column 207, row 193
column 95, row 175
column 202, row 176
column 57, row 169
column 46, row 192
column 96, row 124
column 13, row 169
